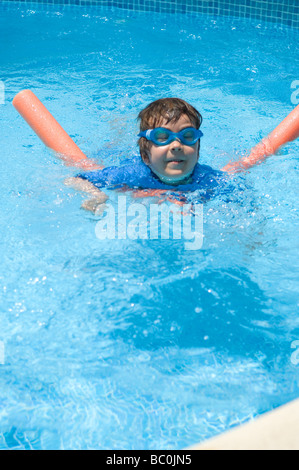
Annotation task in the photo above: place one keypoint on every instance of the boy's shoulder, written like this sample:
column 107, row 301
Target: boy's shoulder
column 206, row 170
column 204, row 176
column 130, row 171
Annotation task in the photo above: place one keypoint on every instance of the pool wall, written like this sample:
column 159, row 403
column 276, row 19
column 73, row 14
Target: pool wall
column 277, row 11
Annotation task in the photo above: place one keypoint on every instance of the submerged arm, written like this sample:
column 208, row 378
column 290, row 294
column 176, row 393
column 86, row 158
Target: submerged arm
column 257, row 156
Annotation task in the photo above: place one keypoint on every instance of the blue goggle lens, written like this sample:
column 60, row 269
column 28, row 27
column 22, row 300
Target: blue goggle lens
column 160, row 135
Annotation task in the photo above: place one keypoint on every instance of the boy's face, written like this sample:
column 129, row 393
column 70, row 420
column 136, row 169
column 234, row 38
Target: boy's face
column 174, row 160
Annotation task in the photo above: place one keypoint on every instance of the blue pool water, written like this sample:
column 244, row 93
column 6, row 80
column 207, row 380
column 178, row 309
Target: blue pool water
column 142, row 344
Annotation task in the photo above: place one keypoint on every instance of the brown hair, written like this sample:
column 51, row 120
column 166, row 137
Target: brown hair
column 170, row 109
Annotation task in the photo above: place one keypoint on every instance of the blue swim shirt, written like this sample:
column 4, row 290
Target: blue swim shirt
column 135, row 174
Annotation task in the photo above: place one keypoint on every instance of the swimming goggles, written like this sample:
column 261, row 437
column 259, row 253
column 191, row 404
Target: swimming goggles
column 162, row 136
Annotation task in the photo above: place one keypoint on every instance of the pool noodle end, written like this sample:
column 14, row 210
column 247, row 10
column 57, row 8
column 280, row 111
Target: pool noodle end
column 50, row 131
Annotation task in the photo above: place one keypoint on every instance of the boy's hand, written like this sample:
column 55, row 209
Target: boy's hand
column 95, row 205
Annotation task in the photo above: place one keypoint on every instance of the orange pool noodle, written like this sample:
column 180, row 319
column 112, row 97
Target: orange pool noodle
column 50, row 131
column 286, row 131
column 54, row 136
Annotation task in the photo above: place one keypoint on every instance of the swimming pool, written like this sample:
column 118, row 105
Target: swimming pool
column 141, row 344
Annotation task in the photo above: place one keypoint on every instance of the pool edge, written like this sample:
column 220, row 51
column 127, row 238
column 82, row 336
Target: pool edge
column 275, row 430
column 265, row 11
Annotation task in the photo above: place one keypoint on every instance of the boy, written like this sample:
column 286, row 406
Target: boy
column 169, row 143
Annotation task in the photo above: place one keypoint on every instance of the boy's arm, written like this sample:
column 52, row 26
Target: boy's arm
column 85, row 186
column 286, row 131
column 97, row 202
column 245, row 163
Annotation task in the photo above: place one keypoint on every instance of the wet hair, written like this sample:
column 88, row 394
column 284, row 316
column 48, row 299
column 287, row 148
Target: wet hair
column 168, row 109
